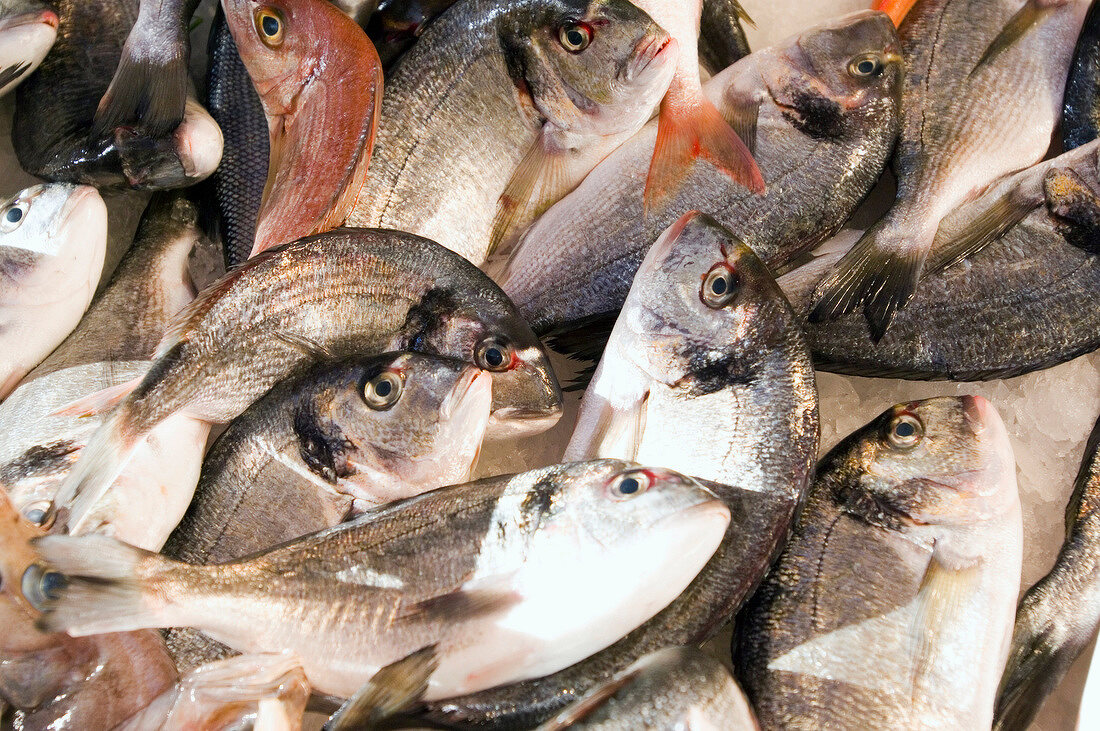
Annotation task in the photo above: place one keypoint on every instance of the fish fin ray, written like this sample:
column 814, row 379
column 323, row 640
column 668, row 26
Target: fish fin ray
column 1018, row 25
column 458, row 605
column 1002, row 215
column 590, row 703
column 942, row 594
column 743, row 117
column 308, row 346
column 100, row 401
column 391, row 690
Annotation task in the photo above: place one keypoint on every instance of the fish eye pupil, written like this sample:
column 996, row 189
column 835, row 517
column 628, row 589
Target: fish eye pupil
column 14, row 215
column 575, row 36
column 35, row 515
column 905, row 429
column 270, row 25
column 719, row 286
column 383, row 388
column 52, row 583
column 494, row 357
column 629, row 486
column 866, row 66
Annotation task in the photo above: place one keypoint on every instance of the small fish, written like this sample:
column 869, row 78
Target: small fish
column 28, row 29
column 969, row 118
column 347, row 292
column 1081, row 103
column 53, row 239
column 1057, row 618
column 891, row 606
column 558, row 84
column 674, row 688
column 473, row 569
column 320, row 82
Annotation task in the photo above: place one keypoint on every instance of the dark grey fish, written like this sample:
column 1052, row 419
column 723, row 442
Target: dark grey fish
column 1058, row 617
column 1081, row 103
column 1022, row 303
column 722, row 40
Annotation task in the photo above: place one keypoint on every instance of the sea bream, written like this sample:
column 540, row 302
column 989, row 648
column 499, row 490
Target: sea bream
column 508, row 578
column 28, row 29
column 1081, row 103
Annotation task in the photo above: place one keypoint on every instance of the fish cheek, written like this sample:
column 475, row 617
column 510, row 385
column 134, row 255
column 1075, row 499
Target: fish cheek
column 322, row 447
column 811, row 113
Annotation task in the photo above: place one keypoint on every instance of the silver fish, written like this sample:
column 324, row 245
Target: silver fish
column 28, row 29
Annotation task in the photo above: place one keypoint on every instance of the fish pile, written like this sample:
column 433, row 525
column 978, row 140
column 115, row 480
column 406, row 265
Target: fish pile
column 256, row 499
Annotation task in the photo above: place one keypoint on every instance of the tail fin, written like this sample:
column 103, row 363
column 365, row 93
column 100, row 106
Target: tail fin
column 103, row 585
column 896, row 9
column 392, row 689
column 689, row 128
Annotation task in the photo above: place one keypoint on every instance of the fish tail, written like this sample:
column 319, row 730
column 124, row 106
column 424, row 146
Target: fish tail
column 96, row 584
column 686, row 131
column 896, row 9
column 148, row 90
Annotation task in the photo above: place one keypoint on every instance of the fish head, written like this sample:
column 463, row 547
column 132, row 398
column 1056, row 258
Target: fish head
column 50, row 219
column 703, row 309
column 17, row 555
column 589, row 66
column 940, row 461
column 27, row 33
column 394, row 426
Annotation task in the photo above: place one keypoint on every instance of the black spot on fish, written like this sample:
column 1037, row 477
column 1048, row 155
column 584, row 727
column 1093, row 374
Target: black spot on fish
column 9, row 74
column 42, row 459
column 814, row 115
column 709, row 374
column 538, row 502
column 426, row 318
column 321, row 443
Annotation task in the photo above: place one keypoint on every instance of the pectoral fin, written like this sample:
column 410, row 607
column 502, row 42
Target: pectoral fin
column 1025, row 18
column 1002, row 215
column 390, row 691
column 940, row 601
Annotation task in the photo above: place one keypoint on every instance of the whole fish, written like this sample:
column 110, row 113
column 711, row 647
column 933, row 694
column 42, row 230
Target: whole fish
column 1057, row 618
column 1020, row 304
column 824, row 130
column 53, row 681
column 982, row 97
column 28, row 29
column 1081, row 103
column 52, row 130
column 684, row 360
column 53, row 239
column 396, row 25
column 111, row 346
column 347, row 292
column 891, row 606
column 320, row 82
column 678, row 687
column 556, row 85
column 472, row 569
column 722, row 40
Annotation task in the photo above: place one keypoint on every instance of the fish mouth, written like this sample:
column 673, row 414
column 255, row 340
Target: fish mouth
column 73, row 207
column 701, row 514
column 510, row 422
column 31, row 19
column 649, row 49
column 475, row 386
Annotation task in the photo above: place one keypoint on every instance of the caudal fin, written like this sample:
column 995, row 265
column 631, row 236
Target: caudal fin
column 148, row 91
column 96, row 584
column 688, row 129
column 896, row 9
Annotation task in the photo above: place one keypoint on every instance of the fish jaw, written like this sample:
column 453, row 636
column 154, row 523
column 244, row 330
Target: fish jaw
column 25, row 39
column 526, row 399
column 199, row 142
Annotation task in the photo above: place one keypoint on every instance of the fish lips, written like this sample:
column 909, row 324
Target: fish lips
column 25, row 39
column 526, row 399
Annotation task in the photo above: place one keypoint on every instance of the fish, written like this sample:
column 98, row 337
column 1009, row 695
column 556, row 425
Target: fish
column 28, row 29
column 346, row 292
column 815, row 107
column 51, row 680
column 677, row 687
column 558, row 84
column 396, row 24
column 891, row 606
column 1081, row 102
column 472, row 569
column 689, row 125
column 722, row 40
column 111, row 346
column 896, row 9
column 53, row 240
column 55, row 109
column 1020, row 304
column 739, row 375
column 968, row 119
column 1058, row 616
column 320, row 83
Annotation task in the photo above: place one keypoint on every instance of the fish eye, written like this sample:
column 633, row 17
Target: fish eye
column 905, row 431
column 12, row 216
column 36, row 512
column 42, row 586
column 494, row 354
column 866, row 65
column 383, row 391
column 628, row 485
column 270, row 26
column 719, row 287
column 575, row 36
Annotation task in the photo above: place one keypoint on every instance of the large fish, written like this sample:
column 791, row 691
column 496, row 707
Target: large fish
column 824, row 128
column 508, row 105
column 475, row 570
column 1021, row 304
column 1081, row 103
column 1057, row 618
column 320, row 82
column 347, row 292
column 983, row 94
column 28, row 29
column 52, row 130
column 111, row 346
column 675, row 688
column 53, row 239
column 891, row 606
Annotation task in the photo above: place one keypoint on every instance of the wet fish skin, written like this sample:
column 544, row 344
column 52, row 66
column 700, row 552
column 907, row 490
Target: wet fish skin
column 469, row 568
column 28, row 29
column 841, row 130
column 1081, row 103
column 1057, row 617
column 722, row 40
column 678, row 687
column 891, row 606
column 463, row 179
column 396, row 25
column 53, row 240
column 1018, row 305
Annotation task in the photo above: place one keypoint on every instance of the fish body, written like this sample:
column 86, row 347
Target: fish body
column 578, row 261
column 1018, row 305
column 1081, row 103
column 891, row 606
column 678, row 687
column 968, row 119
column 722, row 40
column 53, row 240
column 28, row 29
column 556, row 85
column 472, row 569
